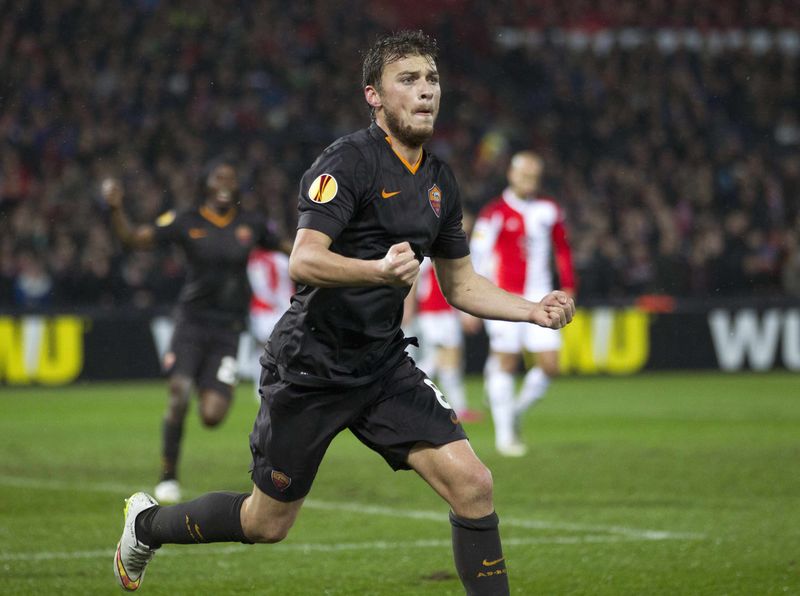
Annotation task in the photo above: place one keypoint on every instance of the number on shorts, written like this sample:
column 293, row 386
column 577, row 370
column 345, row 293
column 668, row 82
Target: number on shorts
column 226, row 373
column 439, row 395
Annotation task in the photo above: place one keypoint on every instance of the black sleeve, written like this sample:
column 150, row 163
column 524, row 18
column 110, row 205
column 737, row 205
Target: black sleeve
column 451, row 243
column 331, row 189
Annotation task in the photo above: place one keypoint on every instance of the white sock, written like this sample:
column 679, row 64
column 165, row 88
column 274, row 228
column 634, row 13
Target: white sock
column 500, row 387
column 533, row 389
column 452, row 385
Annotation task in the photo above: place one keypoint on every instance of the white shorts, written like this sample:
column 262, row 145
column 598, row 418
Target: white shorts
column 261, row 325
column 441, row 329
column 512, row 338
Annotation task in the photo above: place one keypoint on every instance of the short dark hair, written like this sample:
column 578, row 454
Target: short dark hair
column 392, row 48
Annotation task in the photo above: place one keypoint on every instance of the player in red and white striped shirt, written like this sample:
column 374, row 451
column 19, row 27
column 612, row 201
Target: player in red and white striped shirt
column 268, row 274
column 513, row 242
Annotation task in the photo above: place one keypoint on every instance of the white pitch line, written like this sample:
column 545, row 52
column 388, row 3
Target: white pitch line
column 94, row 487
column 528, row 524
column 375, row 510
column 178, row 551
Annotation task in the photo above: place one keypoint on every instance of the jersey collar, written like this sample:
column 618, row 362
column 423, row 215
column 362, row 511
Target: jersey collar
column 215, row 218
column 378, row 132
column 511, row 198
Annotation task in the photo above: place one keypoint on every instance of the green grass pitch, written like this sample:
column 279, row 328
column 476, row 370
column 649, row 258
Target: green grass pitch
column 656, row 484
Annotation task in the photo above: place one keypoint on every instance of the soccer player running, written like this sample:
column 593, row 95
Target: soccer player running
column 371, row 206
column 212, row 307
column 513, row 242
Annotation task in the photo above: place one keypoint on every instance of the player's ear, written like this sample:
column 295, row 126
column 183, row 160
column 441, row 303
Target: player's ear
column 372, row 96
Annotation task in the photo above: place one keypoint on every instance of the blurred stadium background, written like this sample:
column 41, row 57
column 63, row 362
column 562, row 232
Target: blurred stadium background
column 671, row 135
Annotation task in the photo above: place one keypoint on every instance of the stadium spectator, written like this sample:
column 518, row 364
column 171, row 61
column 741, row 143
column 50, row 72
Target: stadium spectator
column 516, row 236
column 790, row 273
column 217, row 238
column 130, row 87
column 337, row 358
column 125, row 85
column 32, row 284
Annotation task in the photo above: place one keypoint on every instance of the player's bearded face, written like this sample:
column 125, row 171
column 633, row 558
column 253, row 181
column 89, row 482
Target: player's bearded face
column 410, row 95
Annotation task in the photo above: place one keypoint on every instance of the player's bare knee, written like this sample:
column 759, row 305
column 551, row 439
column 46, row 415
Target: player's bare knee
column 210, row 420
column 268, row 532
column 508, row 363
column 269, row 535
column 179, row 389
column 482, row 483
column 473, row 494
column 212, row 416
column 551, row 370
column 213, row 408
column 548, row 362
column 178, row 403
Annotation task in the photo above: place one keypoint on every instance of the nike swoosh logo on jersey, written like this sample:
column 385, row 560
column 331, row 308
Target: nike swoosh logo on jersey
column 387, row 195
column 196, row 233
column 490, row 563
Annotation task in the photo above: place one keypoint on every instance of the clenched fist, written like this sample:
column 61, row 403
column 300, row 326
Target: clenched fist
column 554, row 310
column 400, row 266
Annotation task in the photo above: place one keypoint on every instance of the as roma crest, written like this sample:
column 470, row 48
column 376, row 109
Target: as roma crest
column 280, row 480
column 435, row 199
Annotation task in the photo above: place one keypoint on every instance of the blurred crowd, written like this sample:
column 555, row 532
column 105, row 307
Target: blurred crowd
column 679, row 171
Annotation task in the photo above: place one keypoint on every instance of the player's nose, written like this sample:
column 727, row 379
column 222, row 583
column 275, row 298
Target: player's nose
column 425, row 90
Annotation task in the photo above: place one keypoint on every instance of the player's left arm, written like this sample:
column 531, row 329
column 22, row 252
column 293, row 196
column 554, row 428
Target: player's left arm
column 410, row 304
column 476, row 295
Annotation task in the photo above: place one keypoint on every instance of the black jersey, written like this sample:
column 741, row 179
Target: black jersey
column 217, row 248
column 366, row 198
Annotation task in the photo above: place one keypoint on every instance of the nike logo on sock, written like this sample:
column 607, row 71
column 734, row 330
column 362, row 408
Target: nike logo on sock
column 490, row 563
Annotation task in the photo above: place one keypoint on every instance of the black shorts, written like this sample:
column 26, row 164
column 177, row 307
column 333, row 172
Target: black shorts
column 296, row 424
column 206, row 353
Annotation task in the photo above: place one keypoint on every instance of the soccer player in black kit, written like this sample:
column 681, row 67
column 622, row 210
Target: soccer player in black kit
column 213, row 304
column 371, row 206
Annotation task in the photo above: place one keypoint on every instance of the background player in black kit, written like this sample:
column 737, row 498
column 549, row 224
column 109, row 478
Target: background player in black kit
column 217, row 239
column 370, row 207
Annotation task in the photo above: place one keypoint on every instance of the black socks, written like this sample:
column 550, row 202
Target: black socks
column 214, row 517
column 171, row 435
column 479, row 556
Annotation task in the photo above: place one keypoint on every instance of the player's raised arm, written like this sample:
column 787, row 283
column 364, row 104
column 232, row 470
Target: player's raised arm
column 476, row 295
column 142, row 236
column 312, row 263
